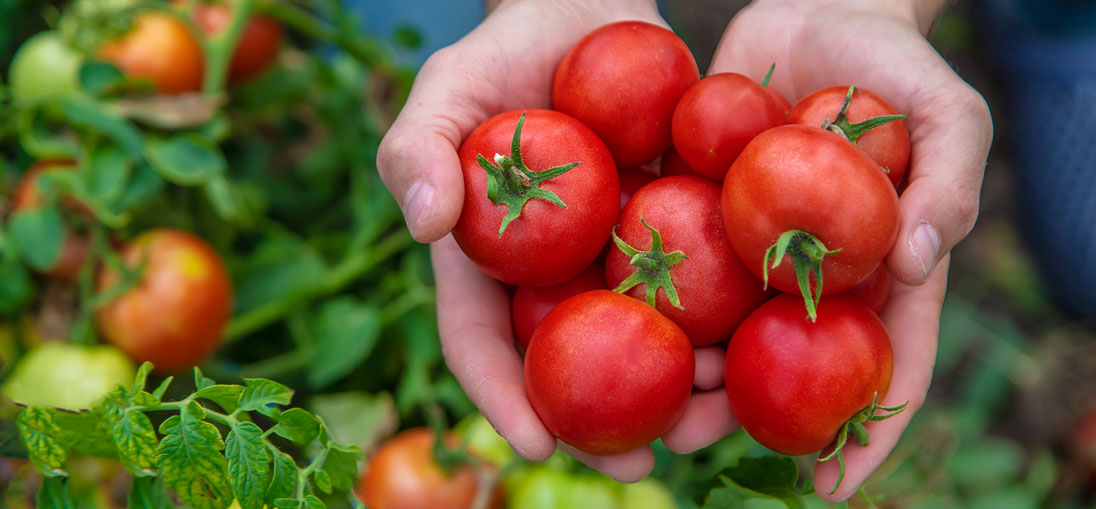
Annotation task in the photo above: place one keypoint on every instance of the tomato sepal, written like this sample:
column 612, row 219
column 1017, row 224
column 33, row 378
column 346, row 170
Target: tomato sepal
column 768, row 76
column 807, row 253
column 855, row 426
column 652, row 267
column 510, row 182
column 841, row 126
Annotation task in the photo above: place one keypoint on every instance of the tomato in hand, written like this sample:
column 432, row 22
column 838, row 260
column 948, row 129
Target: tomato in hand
column 257, row 46
column 174, row 315
column 159, row 48
column 74, row 248
column 403, row 474
column 45, row 65
column 607, row 373
column 795, row 385
column 541, row 214
column 707, row 291
column 875, row 289
column 888, row 144
column 67, row 375
column 623, row 81
column 717, row 117
column 809, row 194
column 532, row 303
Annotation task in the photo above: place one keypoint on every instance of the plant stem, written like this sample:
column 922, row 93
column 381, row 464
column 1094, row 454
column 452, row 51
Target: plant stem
column 368, row 52
column 220, row 47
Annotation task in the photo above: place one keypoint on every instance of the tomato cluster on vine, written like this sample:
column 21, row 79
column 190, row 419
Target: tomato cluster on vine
column 720, row 214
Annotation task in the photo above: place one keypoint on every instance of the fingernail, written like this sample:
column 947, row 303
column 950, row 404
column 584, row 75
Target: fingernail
column 415, row 203
column 925, row 245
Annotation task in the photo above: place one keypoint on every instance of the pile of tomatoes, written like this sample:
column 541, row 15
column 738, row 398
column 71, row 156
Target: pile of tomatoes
column 692, row 199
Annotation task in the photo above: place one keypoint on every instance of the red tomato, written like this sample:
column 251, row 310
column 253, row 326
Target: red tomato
column 403, row 474
column 715, row 288
column 795, row 178
column 532, row 303
column 623, row 80
column 888, row 144
column 631, row 180
column 548, row 244
column 161, row 49
column 673, row 165
column 792, row 383
column 74, row 248
column 785, row 106
column 174, row 316
column 607, row 373
column 875, row 289
column 717, row 117
column 258, row 43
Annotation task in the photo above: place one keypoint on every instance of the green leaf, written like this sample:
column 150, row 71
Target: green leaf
column 261, row 392
column 189, row 456
column 248, row 464
column 97, row 77
column 17, row 288
column 39, row 232
column 231, row 202
column 282, row 264
column 225, row 396
column 158, row 394
column 346, row 332
column 283, row 481
column 323, row 481
column 201, row 381
column 87, row 432
column 767, row 478
column 313, row 502
column 407, row 37
column 95, row 117
column 38, row 431
column 341, row 465
column 53, row 494
column 107, row 172
column 143, row 184
column 298, row 425
column 148, row 493
column 132, row 433
column 185, row 159
column 287, row 503
column 140, row 378
column 41, row 132
column 356, row 418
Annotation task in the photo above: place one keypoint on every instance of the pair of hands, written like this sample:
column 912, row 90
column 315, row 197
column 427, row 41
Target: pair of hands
column 508, row 63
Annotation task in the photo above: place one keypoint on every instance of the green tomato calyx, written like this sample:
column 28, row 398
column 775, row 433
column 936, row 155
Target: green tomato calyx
column 806, row 252
column 511, row 183
column 652, row 267
column 855, row 425
column 841, row 126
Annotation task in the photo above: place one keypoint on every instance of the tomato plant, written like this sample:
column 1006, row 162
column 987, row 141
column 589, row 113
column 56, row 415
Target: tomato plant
column 161, row 49
column 623, row 81
column 173, row 316
column 865, row 118
column 717, row 117
column 671, row 236
column 403, row 474
column 531, row 303
column 811, row 195
column 74, row 247
column 257, row 46
column 556, row 194
column 44, row 66
column 607, row 373
column 69, row 376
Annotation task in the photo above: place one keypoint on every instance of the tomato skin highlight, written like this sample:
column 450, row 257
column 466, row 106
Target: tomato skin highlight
column 716, row 289
column 257, row 46
column 795, row 177
column 888, row 145
column 623, row 81
column 792, row 383
column 607, row 373
column 531, row 303
column 403, row 474
column 717, row 117
column 548, row 244
column 160, row 48
column 175, row 315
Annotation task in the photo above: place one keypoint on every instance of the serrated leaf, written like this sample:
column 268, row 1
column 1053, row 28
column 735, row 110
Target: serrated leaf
column 248, row 464
column 132, row 433
column 162, row 388
column 283, row 479
column 145, row 399
column 346, row 332
column 341, row 465
column 313, row 502
column 148, row 493
column 190, row 459
column 225, row 396
column 140, row 379
column 261, row 392
column 39, row 233
column 185, row 159
column 298, row 425
column 38, row 432
column 53, row 494
column 200, row 380
column 772, row 475
column 323, row 481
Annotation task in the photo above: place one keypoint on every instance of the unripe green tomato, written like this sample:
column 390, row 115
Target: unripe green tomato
column 649, row 493
column 483, row 441
column 45, row 65
column 593, row 491
column 539, row 487
column 67, row 375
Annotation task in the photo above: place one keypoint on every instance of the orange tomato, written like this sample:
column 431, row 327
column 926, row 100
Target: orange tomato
column 160, row 48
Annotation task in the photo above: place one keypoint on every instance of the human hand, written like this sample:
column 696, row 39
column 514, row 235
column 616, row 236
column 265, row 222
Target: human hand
column 878, row 45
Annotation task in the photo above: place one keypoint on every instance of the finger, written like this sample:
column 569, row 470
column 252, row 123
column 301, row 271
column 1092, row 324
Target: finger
column 631, row 466
column 707, row 418
column 474, row 324
column 912, row 317
column 709, row 367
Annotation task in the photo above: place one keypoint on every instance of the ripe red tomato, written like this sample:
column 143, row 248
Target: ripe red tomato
column 785, row 106
column 673, row 165
column 607, row 373
column 532, row 303
column 888, row 144
column 717, row 117
column 792, row 383
column 715, row 288
column 161, row 49
column 631, row 180
column 174, row 315
column 403, row 474
column 805, row 181
column 258, row 43
column 623, row 80
column 548, row 243
column 875, row 289
column 74, row 248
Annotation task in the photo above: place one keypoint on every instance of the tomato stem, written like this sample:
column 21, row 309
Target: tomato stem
column 807, row 253
column 840, row 124
column 652, row 267
column 855, row 425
